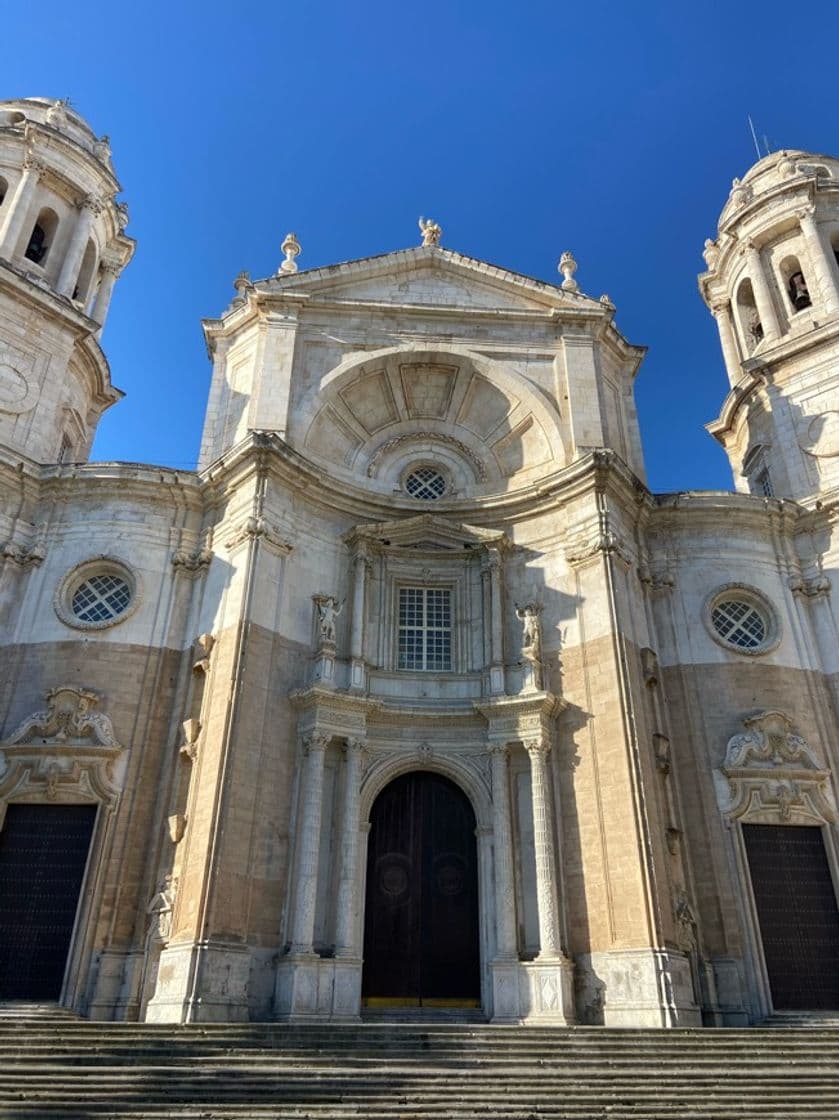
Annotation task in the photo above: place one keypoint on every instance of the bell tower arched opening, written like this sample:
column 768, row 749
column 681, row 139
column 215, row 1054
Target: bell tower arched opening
column 421, row 944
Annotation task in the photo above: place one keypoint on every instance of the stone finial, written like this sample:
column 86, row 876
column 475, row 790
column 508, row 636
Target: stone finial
column 291, row 248
column 243, row 285
column 568, row 266
column 431, row 232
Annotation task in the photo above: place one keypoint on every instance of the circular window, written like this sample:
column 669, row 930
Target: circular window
column 425, row 483
column 97, row 594
column 741, row 619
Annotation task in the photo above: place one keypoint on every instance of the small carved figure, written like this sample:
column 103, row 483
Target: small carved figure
column 102, row 149
column 160, row 909
column 328, row 610
column 431, row 232
column 531, row 631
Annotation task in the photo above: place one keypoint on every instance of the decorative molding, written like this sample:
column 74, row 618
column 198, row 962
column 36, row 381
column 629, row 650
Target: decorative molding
column 749, row 594
column 603, row 542
column 192, row 564
column 68, row 716
column 65, row 752
column 23, row 556
column 96, row 565
column 201, row 651
column 257, row 528
column 661, row 751
column 773, row 774
column 419, row 437
column 189, row 748
column 813, row 587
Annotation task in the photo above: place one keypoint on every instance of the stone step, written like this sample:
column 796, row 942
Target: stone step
column 57, row 1067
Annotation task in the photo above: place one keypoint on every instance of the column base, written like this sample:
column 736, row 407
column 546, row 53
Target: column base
column 533, row 991
column 201, row 983
column 637, row 988
column 311, row 988
column 116, row 991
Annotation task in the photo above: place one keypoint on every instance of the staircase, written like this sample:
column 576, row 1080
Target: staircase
column 52, row 1066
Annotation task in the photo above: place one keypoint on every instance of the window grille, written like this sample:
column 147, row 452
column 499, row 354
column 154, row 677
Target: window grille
column 100, row 598
column 739, row 623
column 425, row 483
column 425, row 629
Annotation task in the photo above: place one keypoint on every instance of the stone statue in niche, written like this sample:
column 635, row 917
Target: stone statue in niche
column 328, row 609
column 528, row 615
column 531, row 644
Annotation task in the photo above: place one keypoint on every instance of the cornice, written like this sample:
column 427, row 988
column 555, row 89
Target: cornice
column 600, row 470
column 747, row 511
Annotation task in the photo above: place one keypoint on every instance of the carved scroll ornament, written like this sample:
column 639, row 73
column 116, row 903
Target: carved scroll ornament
column 64, row 752
column 774, row 775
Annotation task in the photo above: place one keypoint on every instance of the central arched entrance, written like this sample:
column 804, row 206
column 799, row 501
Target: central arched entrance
column 421, row 911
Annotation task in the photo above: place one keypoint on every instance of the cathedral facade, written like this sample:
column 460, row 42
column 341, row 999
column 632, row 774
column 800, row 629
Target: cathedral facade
column 413, row 695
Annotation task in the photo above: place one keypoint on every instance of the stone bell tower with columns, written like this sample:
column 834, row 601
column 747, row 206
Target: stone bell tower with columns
column 773, row 286
column 62, row 247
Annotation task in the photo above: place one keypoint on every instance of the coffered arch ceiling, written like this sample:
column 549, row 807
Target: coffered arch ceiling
column 482, row 423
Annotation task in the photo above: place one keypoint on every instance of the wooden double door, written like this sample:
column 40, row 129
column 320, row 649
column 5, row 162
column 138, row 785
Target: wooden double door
column 795, row 899
column 43, row 855
column 421, row 910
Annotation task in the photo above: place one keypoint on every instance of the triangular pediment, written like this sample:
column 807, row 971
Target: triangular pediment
column 429, row 277
column 426, row 531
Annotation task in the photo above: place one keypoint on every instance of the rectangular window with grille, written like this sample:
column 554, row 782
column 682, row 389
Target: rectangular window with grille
column 425, row 629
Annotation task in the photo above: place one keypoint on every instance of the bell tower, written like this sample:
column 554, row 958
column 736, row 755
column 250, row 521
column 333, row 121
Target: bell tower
column 772, row 284
column 62, row 247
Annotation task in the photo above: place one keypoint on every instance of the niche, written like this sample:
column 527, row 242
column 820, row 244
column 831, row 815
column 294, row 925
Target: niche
column 795, row 284
column 42, row 237
column 751, row 328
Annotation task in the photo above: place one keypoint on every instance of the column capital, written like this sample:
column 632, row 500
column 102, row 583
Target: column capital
column 32, row 163
column 91, row 204
column 538, row 746
column 316, row 741
column 490, row 558
column 498, row 747
column 720, row 307
column 805, row 213
column 355, row 746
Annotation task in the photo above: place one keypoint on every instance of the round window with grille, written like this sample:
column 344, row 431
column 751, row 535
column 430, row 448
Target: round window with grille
column 425, row 483
column 741, row 619
column 96, row 594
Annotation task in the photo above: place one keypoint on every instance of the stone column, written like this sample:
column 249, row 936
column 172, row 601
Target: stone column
column 88, row 209
column 19, row 214
column 728, row 341
column 110, row 271
column 505, row 894
column 823, row 266
column 763, row 295
column 492, row 564
column 358, row 673
column 306, row 864
column 345, row 923
column 549, row 941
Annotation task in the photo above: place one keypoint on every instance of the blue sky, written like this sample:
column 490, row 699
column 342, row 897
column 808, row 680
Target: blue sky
column 612, row 129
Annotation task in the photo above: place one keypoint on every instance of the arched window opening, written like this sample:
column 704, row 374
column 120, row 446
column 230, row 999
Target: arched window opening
column 42, row 237
column 750, row 324
column 796, row 284
column 86, row 273
column 4, row 187
column 756, row 470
